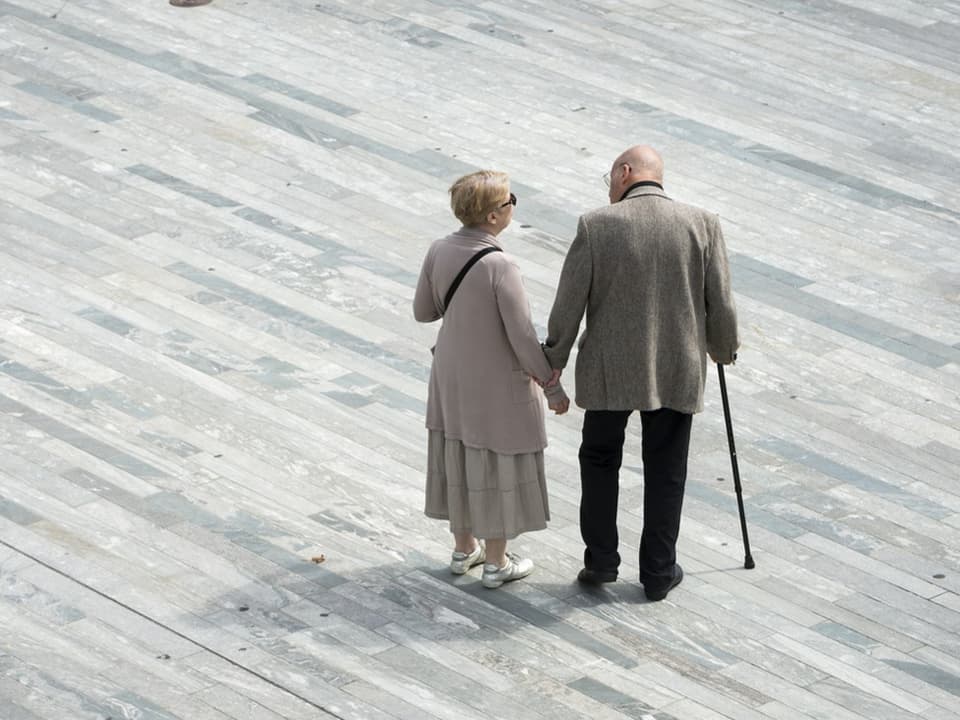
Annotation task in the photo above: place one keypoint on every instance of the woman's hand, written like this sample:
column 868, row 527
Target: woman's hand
column 557, row 399
column 559, row 404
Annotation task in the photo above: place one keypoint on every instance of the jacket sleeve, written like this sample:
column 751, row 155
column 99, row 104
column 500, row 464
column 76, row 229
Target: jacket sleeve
column 573, row 290
column 722, row 338
column 515, row 313
column 555, row 394
column 424, row 306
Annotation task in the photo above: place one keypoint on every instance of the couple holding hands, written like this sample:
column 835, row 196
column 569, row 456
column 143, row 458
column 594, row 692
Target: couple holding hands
column 651, row 274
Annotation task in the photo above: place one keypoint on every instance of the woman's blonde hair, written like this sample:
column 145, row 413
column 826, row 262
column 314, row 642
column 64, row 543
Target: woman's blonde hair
column 476, row 194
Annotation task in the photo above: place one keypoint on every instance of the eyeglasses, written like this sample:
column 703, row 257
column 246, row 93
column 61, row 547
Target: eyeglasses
column 511, row 201
column 606, row 175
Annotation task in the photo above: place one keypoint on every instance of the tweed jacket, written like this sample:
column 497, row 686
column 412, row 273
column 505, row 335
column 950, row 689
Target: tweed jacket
column 653, row 278
column 487, row 350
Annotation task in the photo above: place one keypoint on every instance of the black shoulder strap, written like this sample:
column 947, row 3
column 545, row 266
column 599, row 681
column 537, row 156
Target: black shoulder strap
column 463, row 271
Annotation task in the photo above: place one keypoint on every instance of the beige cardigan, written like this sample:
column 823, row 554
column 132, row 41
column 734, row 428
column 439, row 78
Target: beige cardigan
column 481, row 391
column 653, row 278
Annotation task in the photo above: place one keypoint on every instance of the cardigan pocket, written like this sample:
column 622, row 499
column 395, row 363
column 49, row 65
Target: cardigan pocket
column 522, row 386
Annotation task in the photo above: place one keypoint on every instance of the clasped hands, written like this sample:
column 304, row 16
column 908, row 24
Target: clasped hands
column 558, row 402
column 554, row 379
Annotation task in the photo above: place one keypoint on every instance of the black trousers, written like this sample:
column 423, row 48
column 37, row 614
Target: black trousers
column 666, row 443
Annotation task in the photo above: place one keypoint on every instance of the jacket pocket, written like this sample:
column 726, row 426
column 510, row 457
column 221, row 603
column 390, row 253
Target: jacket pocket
column 523, row 387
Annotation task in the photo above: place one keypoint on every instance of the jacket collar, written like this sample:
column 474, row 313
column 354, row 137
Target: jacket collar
column 644, row 187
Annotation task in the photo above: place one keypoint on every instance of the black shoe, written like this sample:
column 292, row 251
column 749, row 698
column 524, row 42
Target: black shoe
column 596, row 577
column 662, row 593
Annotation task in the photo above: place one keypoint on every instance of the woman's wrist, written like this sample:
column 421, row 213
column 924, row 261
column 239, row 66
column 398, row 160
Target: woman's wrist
column 554, row 391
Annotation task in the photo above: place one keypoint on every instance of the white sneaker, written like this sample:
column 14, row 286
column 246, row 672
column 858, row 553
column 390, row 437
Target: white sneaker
column 461, row 562
column 516, row 568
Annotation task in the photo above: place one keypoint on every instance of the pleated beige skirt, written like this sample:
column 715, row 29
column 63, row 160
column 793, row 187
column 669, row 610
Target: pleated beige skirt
column 483, row 492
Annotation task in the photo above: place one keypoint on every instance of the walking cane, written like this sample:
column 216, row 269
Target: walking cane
column 747, row 557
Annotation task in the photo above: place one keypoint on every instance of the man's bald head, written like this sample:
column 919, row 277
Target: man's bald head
column 641, row 162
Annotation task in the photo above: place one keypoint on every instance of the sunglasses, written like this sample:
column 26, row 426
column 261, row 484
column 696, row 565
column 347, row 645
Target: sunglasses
column 511, row 201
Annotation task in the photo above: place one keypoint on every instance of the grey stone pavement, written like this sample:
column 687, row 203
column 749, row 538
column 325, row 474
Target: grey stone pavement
column 211, row 222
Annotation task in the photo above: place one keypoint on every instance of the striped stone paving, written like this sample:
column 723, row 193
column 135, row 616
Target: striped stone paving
column 211, row 224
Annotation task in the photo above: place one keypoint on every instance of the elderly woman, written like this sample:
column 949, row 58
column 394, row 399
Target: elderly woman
column 484, row 413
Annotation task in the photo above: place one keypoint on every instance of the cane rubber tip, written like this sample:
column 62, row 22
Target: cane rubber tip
column 748, row 563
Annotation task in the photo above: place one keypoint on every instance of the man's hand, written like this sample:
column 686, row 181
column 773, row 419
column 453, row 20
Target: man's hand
column 721, row 362
column 551, row 381
column 560, row 406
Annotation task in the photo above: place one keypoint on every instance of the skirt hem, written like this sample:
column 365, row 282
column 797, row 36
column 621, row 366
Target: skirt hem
column 489, row 494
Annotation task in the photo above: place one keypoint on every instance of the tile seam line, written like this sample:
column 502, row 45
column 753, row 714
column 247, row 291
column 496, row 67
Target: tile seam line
column 24, row 12
column 168, row 628
column 916, row 203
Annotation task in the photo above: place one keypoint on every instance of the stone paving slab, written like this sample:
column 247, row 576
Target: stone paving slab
column 211, row 224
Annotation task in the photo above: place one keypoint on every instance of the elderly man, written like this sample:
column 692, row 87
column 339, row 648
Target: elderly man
column 652, row 276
